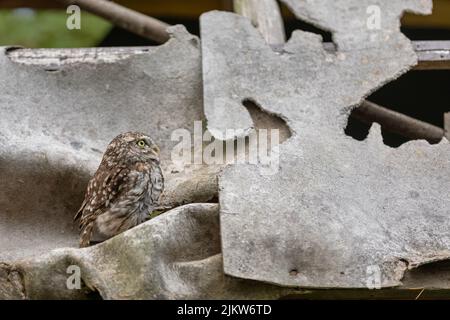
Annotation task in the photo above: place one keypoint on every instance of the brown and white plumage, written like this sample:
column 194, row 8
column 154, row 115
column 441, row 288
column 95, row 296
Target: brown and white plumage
column 124, row 190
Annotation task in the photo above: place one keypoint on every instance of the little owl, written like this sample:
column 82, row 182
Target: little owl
column 124, row 190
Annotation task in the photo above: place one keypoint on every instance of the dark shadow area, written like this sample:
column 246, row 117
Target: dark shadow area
column 431, row 275
column 417, row 34
column 422, row 95
column 366, row 294
column 120, row 37
column 291, row 23
column 436, row 274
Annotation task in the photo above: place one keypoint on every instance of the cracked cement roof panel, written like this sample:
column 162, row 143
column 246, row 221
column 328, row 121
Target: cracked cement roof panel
column 59, row 111
column 337, row 211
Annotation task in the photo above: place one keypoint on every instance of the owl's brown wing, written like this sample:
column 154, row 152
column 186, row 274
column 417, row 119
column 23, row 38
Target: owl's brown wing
column 104, row 188
column 80, row 211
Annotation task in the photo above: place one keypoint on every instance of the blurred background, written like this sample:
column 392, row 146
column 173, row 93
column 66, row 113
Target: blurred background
column 424, row 95
column 41, row 23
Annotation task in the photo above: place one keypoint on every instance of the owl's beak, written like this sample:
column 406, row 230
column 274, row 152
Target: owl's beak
column 156, row 151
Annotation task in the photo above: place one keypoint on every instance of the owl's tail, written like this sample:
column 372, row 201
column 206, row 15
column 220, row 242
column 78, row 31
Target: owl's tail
column 86, row 234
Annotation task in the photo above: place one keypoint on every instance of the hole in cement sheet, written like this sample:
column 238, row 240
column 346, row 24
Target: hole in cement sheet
column 264, row 120
column 422, row 95
column 291, row 23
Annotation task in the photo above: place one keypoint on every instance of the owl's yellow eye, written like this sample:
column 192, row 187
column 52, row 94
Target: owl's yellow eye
column 141, row 144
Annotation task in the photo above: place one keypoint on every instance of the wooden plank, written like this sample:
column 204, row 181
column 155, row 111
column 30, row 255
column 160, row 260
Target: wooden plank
column 433, row 55
column 266, row 17
column 399, row 123
column 54, row 58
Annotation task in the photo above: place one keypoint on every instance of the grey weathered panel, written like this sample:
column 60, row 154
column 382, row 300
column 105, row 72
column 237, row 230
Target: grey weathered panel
column 174, row 256
column 338, row 210
column 57, row 116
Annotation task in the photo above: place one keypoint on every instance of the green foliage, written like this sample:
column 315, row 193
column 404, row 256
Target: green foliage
column 47, row 29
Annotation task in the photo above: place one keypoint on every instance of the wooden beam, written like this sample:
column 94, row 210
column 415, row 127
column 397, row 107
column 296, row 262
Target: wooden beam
column 265, row 15
column 125, row 18
column 51, row 59
column 433, row 55
column 398, row 123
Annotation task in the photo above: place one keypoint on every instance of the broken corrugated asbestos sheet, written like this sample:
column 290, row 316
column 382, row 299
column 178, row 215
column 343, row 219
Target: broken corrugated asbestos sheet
column 334, row 213
column 337, row 209
column 58, row 110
